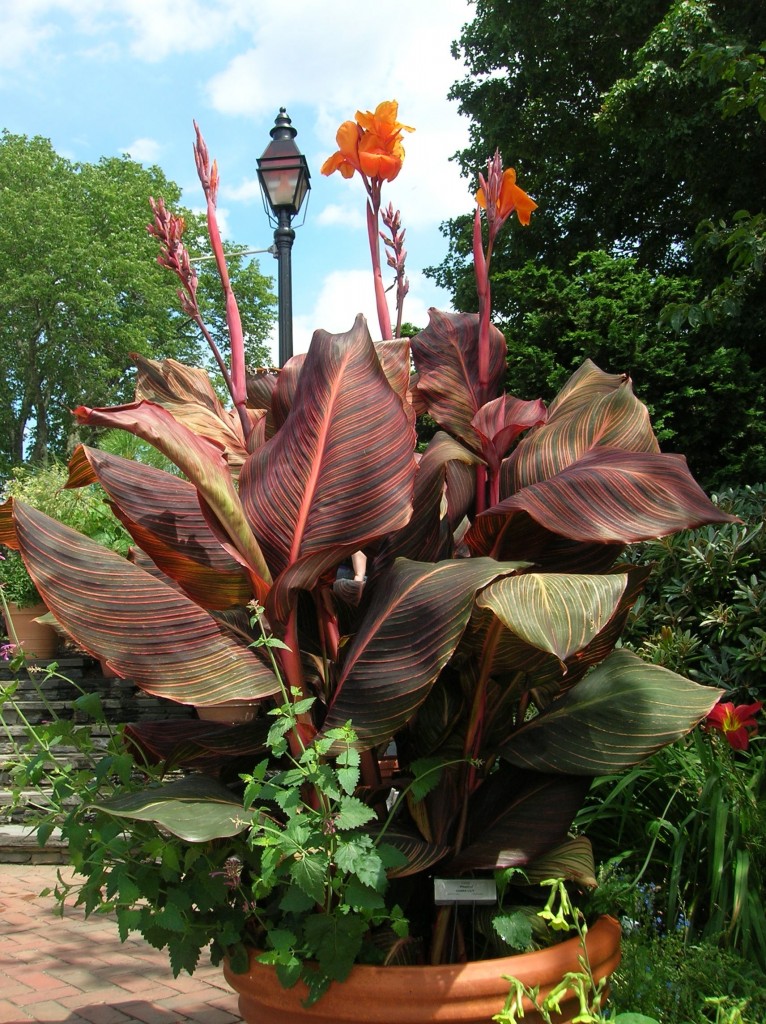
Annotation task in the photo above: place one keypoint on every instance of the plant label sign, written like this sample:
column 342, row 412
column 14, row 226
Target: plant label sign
column 464, row 890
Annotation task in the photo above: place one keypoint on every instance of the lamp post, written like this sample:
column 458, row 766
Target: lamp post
column 283, row 175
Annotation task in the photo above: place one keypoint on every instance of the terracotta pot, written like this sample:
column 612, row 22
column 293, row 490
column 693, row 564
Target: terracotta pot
column 37, row 639
column 460, row 993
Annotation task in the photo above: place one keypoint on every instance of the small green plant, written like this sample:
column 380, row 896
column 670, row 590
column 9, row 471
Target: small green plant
column 561, row 914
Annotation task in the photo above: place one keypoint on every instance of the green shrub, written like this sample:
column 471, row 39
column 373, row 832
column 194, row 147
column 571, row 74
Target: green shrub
column 671, row 979
column 703, row 613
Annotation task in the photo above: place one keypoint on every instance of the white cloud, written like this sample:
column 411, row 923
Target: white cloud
column 346, row 215
column 146, row 151
column 22, row 34
column 164, row 27
column 151, row 29
column 246, row 192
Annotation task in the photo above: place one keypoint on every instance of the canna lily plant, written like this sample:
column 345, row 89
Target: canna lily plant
column 440, row 713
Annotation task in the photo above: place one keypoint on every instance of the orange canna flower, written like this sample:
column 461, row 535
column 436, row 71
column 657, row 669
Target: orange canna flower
column 371, row 145
column 346, row 160
column 510, row 198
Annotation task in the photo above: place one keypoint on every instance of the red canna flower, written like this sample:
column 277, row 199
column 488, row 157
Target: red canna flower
column 736, row 723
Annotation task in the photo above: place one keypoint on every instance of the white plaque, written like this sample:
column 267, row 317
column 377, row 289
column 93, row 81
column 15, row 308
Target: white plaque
column 464, row 890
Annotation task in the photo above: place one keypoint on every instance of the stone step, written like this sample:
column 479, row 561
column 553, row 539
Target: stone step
column 18, row 845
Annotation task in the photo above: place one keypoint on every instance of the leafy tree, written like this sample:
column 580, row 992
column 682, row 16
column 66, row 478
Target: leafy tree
column 80, row 290
column 612, row 112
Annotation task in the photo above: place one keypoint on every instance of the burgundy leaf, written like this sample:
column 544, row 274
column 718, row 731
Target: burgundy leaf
column 163, row 515
column 446, row 356
column 146, row 630
column 341, row 470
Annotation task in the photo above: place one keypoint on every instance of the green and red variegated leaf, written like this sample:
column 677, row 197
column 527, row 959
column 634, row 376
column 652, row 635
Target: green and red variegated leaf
column 546, row 551
column 499, row 423
column 163, row 516
column 303, row 574
column 421, row 855
column 559, row 614
column 596, row 727
column 195, row 808
column 191, row 743
column 204, row 463
column 587, row 383
column 595, row 410
column 446, row 356
column 7, row 525
column 341, row 470
column 147, row 631
column 428, row 537
column 284, row 392
column 415, row 620
column 516, row 817
column 608, row 497
column 187, row 393
column 394, row 356
column 573, row 860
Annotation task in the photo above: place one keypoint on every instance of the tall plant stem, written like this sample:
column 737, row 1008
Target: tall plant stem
column 373, row 233
column 475, row 731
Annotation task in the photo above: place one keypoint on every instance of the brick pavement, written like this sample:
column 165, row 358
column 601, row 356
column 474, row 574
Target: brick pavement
column 74, row 971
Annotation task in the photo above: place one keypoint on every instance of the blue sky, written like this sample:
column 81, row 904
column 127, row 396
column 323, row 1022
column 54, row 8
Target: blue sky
column 103, row 77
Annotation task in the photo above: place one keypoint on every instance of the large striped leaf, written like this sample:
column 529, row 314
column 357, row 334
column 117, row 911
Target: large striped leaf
column 186, row 392
column 446, row 356
column 593, row 410
column 203, row 462
column 195, row 808
column 516, row 817
column 341, row 470
column 427, row 536
column 163, row 515
column 608, row 496
column 147, row 631
column 414, row 622
column 619, row 714
column 191, row 743
column 555, row 613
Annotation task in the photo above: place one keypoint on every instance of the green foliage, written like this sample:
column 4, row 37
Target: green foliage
column 588, row 991
column 607, row 309
column 704, row 607
column 16, row 582
column 700, row 804
column 84, row 509
column 301, row 859
column 670, row 978
column 704, row 809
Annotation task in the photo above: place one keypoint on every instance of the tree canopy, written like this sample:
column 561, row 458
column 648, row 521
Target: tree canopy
column 639, row 129
column 80, row 289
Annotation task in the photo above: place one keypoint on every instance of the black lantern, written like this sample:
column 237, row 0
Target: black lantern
column 284, row 176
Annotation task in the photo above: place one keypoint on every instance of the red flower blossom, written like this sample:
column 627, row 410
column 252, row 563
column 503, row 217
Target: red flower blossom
column 736, row 723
